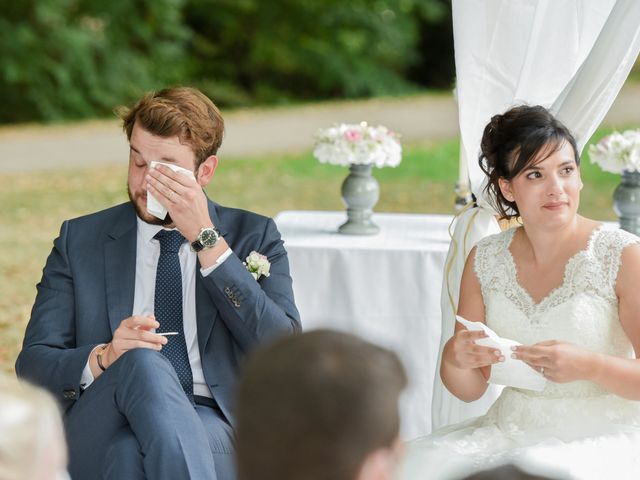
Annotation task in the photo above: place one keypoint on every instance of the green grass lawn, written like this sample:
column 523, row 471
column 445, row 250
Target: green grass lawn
column 34, row 204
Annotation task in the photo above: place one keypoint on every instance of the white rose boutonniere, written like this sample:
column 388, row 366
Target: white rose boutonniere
column 257, row 265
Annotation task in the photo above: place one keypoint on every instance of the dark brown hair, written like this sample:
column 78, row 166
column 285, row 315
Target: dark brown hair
column 313, row 406
column 512, row 141
column 182, row 111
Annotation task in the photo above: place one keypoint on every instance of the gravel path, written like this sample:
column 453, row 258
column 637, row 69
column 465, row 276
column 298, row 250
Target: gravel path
column 255, row 132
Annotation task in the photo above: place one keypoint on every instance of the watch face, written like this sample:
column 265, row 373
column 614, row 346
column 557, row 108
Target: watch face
column 208, row 237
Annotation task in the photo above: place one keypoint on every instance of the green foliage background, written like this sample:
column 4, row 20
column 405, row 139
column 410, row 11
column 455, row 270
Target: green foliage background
column 80, row 58
column 69, row 59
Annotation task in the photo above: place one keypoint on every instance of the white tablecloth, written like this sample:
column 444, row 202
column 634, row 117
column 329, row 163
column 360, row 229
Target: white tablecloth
column 385, row 288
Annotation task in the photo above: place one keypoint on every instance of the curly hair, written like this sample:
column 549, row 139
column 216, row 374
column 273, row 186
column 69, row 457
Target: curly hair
column 182, row 111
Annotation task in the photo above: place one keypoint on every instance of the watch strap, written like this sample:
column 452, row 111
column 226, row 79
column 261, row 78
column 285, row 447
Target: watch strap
column 101, row 349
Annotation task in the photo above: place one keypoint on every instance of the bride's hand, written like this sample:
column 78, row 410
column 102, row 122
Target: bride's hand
column 465, row 354
column 558, row 361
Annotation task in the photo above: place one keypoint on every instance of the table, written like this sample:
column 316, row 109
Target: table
column 385, row 288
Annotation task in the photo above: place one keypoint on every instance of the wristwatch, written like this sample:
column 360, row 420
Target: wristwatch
column 207, row 238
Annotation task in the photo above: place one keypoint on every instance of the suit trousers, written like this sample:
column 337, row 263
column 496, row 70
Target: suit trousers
column 135, row 422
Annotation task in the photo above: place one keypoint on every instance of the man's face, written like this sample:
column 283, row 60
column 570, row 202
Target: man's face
column 144, row 147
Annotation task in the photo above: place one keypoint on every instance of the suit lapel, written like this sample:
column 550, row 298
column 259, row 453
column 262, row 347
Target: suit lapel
column 120, row 268
column 120, row 274
column 214, row 213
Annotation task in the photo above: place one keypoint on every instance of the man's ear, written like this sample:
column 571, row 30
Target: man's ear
column 505, row 188
column 206, row 170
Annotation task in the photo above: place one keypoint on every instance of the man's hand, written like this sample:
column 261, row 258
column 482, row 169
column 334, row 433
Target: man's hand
column 183, row 198
column 133, row 332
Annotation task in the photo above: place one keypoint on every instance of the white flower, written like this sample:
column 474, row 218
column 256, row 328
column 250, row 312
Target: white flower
column 257, row 265
column 358, row 144
column 617, row 152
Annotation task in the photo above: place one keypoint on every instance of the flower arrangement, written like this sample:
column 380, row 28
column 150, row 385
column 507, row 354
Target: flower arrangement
column 358, row 144
column 257, row 264
column 617, row 152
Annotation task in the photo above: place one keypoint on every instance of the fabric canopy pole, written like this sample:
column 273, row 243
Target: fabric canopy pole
column 571, row 56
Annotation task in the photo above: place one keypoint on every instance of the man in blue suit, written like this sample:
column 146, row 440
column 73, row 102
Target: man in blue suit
column 141, row 322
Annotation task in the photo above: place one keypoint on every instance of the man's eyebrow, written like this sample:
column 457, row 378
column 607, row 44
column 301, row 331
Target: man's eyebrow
column 161, row 159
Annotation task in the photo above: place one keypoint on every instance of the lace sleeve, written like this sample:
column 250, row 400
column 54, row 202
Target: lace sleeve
column 489, row 264
column 609, row 249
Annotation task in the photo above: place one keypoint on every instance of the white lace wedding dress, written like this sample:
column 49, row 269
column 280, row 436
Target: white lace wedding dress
column 575, row 427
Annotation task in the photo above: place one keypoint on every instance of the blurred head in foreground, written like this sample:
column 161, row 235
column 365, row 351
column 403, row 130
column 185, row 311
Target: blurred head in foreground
column 32, row 443
column 319, row 405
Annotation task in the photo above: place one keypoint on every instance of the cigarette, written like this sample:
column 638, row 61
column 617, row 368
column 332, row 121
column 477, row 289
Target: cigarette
column 167, row 333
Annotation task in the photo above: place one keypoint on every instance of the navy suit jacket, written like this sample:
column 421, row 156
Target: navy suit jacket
column 87, row 289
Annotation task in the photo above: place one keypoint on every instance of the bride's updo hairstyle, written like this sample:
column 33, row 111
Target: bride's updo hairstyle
column 512, row 141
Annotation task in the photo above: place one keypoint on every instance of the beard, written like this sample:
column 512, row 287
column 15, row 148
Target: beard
column 139, row 202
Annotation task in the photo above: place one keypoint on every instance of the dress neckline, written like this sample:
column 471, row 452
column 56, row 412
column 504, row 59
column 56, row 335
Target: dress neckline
column 554, row 292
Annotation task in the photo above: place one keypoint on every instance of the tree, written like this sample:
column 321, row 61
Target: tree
column 80, row 58
column 254, row 51
column 64, row 59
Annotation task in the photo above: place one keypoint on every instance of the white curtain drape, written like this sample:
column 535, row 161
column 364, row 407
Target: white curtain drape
column 571, row 56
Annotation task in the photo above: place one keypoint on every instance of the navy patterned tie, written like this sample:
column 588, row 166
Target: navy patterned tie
column 168, row 306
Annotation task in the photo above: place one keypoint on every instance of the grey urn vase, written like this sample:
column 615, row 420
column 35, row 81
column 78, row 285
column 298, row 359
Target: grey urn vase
column 626, row 202
column 360, row 193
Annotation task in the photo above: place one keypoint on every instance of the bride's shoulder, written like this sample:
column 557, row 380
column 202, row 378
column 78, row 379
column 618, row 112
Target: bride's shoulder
column 612, row 248
column 497, row 241
column 614, row 239
column 491, row 258
column 619, row 252
column 490, row 251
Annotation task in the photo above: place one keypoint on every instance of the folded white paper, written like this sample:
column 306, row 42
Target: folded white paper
column 154, row 207
column 512, row 372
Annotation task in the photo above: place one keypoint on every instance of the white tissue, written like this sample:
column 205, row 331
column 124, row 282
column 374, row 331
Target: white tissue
column 154, row 207
column 512, row 372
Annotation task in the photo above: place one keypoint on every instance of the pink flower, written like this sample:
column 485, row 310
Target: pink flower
column 353, row 135
column 357, row 144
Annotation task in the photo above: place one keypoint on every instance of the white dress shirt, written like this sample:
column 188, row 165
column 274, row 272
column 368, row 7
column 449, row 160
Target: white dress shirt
column 147, row 254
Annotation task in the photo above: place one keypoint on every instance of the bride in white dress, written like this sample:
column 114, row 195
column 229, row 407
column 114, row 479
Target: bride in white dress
column 567, row 289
